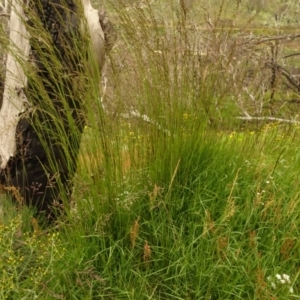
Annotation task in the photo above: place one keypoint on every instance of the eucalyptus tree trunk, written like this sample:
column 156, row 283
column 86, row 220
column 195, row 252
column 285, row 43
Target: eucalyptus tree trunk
column 43, row 112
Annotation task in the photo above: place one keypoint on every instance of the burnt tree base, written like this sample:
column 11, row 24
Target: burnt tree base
column 37, row 180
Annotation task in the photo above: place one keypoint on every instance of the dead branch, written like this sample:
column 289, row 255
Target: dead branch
column 254, row 40
column 274, row 119
column 286, row 74
column 291, row 55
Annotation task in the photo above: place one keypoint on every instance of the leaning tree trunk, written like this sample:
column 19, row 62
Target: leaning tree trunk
column 43, row 111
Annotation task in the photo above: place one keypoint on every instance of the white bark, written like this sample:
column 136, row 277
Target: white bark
column 15, row 80
column 97, row 42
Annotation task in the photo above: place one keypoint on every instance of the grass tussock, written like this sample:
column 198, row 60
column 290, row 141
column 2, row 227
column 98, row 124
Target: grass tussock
column 174, row 197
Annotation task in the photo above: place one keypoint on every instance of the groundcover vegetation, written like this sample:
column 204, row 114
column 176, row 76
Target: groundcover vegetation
column 174, row 196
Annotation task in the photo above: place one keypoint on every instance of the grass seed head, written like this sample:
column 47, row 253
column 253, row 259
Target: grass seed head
column 147, row 252
column 134, row 232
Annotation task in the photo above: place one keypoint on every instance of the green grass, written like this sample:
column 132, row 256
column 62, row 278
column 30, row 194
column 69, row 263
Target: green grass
column 219, row 216
column 202, row 208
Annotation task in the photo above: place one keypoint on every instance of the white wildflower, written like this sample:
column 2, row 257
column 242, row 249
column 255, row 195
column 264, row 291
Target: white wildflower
column 278, row 276
column 286, row 278
column 272, row 283
column 280, row 279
